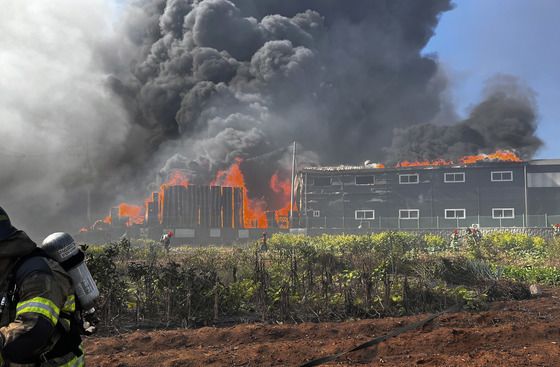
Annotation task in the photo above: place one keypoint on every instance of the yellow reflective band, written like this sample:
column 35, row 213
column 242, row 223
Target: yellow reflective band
column 70, row 304
column 75, row 362
column 41, row 306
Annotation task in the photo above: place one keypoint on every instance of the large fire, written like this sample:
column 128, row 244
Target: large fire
column 283, row 189
column 500, row 155
column 134, row 213
column 254, row 210
column 175, row 178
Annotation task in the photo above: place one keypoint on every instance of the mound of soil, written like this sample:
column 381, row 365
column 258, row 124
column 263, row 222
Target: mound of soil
column 512, row 333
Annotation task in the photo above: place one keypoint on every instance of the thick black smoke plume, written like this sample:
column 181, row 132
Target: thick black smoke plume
column 504, row 120
column 215, row 80
column 195, row 84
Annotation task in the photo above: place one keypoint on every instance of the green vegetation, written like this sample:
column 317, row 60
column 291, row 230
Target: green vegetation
column 298, row 278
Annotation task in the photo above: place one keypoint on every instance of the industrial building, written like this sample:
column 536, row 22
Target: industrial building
column 357, row 199
column 196, row 207
column 197, row 213
column 487, row 193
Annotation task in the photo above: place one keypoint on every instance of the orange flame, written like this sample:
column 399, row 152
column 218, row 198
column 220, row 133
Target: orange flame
column 254, row 214
column 175, row 178
column 232, row 177
column 437, row 162
column 283, row 189
column 500, row 155
column 134, row 213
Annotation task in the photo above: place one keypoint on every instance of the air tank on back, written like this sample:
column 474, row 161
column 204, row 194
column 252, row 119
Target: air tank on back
column 62, row 248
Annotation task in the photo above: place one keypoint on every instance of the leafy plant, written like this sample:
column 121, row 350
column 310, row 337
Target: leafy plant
column 299, row 278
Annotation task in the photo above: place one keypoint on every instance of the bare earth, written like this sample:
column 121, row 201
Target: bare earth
column 513, row 333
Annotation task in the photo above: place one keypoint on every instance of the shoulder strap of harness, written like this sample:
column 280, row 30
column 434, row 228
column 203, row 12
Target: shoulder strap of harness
column 25, row 266
column 35, row 262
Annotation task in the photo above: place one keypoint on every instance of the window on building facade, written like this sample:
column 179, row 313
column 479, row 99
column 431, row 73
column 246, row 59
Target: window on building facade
column 543, row 179
column 409, row 178
column 316, row 213
column 502, row 176
column 409, row 213
column 322, row 181
column 455, row 213
column 365, row 180
column 503, row 213
column 365, row 214
column 454, row 177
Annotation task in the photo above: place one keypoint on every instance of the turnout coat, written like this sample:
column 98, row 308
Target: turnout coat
column 39, row 325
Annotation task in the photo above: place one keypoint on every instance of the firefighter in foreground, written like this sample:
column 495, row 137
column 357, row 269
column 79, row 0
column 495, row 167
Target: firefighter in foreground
column 39, row 323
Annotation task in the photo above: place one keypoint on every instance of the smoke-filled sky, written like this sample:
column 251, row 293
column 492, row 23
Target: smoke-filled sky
column 106, row 100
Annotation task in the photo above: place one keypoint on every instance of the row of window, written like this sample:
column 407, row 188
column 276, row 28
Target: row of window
column 497, row 213
column 454, row 177
column 414, row 178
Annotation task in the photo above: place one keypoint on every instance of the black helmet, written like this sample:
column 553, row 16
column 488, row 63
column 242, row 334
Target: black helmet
column 6, row 228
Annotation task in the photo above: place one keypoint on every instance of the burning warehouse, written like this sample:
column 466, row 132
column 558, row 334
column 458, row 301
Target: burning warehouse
column 496, row 190
column 221, row 211
column 197, row 206
column 190, row 211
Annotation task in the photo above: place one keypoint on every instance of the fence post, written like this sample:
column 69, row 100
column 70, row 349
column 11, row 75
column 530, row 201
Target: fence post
column 325, row 222
column 546, row 220
column 437, row 222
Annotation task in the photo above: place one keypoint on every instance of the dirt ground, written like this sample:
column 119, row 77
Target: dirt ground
column 513, row 333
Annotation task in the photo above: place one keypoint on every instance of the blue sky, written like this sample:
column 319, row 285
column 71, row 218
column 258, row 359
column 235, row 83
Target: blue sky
column 481, row 38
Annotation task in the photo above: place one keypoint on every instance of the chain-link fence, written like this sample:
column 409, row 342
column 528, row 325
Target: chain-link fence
column 379, row 222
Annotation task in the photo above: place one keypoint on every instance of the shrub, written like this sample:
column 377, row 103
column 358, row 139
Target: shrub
column 303, row 278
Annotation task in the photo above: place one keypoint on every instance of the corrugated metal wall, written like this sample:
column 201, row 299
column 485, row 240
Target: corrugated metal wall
column 201, row 206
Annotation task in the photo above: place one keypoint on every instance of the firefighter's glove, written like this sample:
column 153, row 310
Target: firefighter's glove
column 90, row 321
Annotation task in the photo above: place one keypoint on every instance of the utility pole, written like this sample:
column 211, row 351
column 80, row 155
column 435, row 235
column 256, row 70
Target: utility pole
column 89, row 175
column 293, row 186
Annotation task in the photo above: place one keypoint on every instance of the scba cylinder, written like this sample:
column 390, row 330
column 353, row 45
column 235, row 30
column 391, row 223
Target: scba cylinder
column 62, row 248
